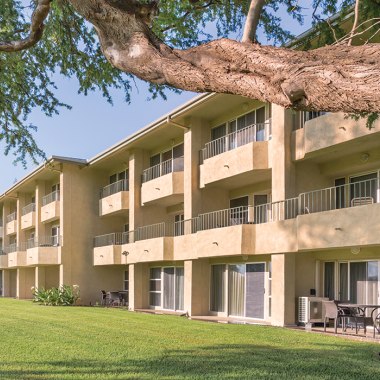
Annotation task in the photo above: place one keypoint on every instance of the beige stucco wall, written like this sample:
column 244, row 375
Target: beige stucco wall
column 16, row 259
column 50, row 212
column 109, row 255
column 151, row 250
column 166, row 190
column 114, row 204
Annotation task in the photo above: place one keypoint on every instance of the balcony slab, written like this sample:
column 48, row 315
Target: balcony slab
column 28, row 221
column 108, row 255
column 114, row 204
column 40, row 256
column 11, row 227
column 151, row 250
column 16, row 259
column 234, row 168
column 50, row 212
column 165, row 191
column 3, row 261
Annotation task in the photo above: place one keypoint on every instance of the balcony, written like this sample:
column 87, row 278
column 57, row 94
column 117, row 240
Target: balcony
column 16, row 254
column 11, row 226
column 108, row 249
column 43, row 250
column 114, row 198
column 163, row 184
column 28, row 218
column 50, row 210
column 230, row 160
column 332, row 132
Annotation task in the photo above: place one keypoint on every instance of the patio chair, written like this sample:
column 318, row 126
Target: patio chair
column 333, row 312
column 114, row 300
column 359, row 320
column 104, row 298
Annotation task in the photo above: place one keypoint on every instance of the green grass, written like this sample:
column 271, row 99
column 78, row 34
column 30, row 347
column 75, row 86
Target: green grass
column 38, row 342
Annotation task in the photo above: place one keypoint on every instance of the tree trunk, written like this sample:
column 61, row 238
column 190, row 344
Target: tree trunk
column 332, row 78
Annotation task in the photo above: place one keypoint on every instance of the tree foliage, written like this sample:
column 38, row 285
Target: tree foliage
column 70, row 47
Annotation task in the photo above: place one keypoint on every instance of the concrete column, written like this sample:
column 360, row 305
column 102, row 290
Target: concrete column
column 6, row 283
column 66, row 228
column 192, row 146
column 138, row 286
column 6, row 212
column 283, row 171
column 283, row 290
column 40, row 193
column 25, row 282
column 197, row 287
column 39, row 277
column 21, row 203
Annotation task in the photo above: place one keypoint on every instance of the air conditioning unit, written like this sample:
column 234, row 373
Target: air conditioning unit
column 311, row 309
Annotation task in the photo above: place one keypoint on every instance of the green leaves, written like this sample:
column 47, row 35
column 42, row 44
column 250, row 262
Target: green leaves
column 64, row 295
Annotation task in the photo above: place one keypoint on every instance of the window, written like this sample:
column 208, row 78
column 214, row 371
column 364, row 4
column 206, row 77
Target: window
column 329, row 281
column 179, row 225
column 363, row 189
column 33, row 199
column 155, row 287
column 155, row 160
column 55, row 187
column 124, row 175
column 126, row 227
column 239, row 211
column 55, row 231
column 262, row 208
column 340, row 199
column 218, row 132
column 113, row 178
column 218, row 288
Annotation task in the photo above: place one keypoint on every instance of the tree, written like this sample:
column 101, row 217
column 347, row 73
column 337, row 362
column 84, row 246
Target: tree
column 105, row 43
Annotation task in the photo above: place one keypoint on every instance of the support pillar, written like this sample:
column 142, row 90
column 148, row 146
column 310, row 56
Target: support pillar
column 283, row 290
column 39, row 277
column 6, row 283
column 20, row 284
column 138, row 286
column 197, row 287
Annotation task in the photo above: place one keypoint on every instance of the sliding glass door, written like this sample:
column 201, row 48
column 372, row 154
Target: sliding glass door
column 236, row 290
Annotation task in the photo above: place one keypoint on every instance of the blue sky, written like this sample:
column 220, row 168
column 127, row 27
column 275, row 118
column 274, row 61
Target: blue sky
column 93, row 125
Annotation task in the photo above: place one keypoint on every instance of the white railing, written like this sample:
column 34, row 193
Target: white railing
column 16, row 247
column 349, row 195
column 50, row 198
column 28, row 209
column 252, row 133
column 44, row 241
column 12, row 217
column 166, row 167
column 114, row 188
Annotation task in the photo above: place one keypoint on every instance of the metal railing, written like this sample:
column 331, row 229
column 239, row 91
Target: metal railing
column 114, row 188
column 166, row 167
column 28, row 209
column 117, row 238
column 16, row 247
column 12, row 217
column 44, row 241
column 52, row 197
column 252, row 133
column 334, row 198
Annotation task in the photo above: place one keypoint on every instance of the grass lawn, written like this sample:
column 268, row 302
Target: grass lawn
column 38, row 342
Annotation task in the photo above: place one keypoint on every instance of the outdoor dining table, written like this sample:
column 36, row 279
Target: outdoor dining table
column 364, row 307
column 116, row 295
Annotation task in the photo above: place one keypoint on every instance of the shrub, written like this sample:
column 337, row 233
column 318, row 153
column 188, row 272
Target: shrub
column 64, row 295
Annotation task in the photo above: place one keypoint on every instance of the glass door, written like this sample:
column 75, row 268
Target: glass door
column 255, row 291
column 364, row 190
column 218, row 288
column 261, row 208
column 180, row 288
column 236, row 290
column 168, row 290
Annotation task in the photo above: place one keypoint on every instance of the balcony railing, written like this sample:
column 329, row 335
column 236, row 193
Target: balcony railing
column 255, row 132
column 349, row 195
column 117, row 238
column 44, row 241
column 16, row 247
column 12, row 217
column 50, row 198
column 166, row 167
column 114, row 188
column 28, row 209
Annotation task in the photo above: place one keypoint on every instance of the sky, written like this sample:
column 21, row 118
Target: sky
column 93, row 125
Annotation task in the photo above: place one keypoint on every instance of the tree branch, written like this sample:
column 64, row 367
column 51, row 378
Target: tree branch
column 35, row 32
column 252, row 21
column 355, row 22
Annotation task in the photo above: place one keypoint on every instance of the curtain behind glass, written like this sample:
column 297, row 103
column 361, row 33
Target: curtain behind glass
column 180, row 288
column 218, row 288
column 343, row 282
column 329, row 281
column 169, row 288
column 358, row 276
column 236, row 290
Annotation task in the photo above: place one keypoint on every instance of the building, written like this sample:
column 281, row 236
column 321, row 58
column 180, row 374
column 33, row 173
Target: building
column 226, row 206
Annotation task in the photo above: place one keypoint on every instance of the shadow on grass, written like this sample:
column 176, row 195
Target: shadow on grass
column 215, row 362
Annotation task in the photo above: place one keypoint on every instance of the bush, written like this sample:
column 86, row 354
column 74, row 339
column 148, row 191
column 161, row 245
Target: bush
column 64, row 295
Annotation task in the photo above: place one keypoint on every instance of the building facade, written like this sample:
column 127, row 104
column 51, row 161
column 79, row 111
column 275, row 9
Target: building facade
column 226, row 206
